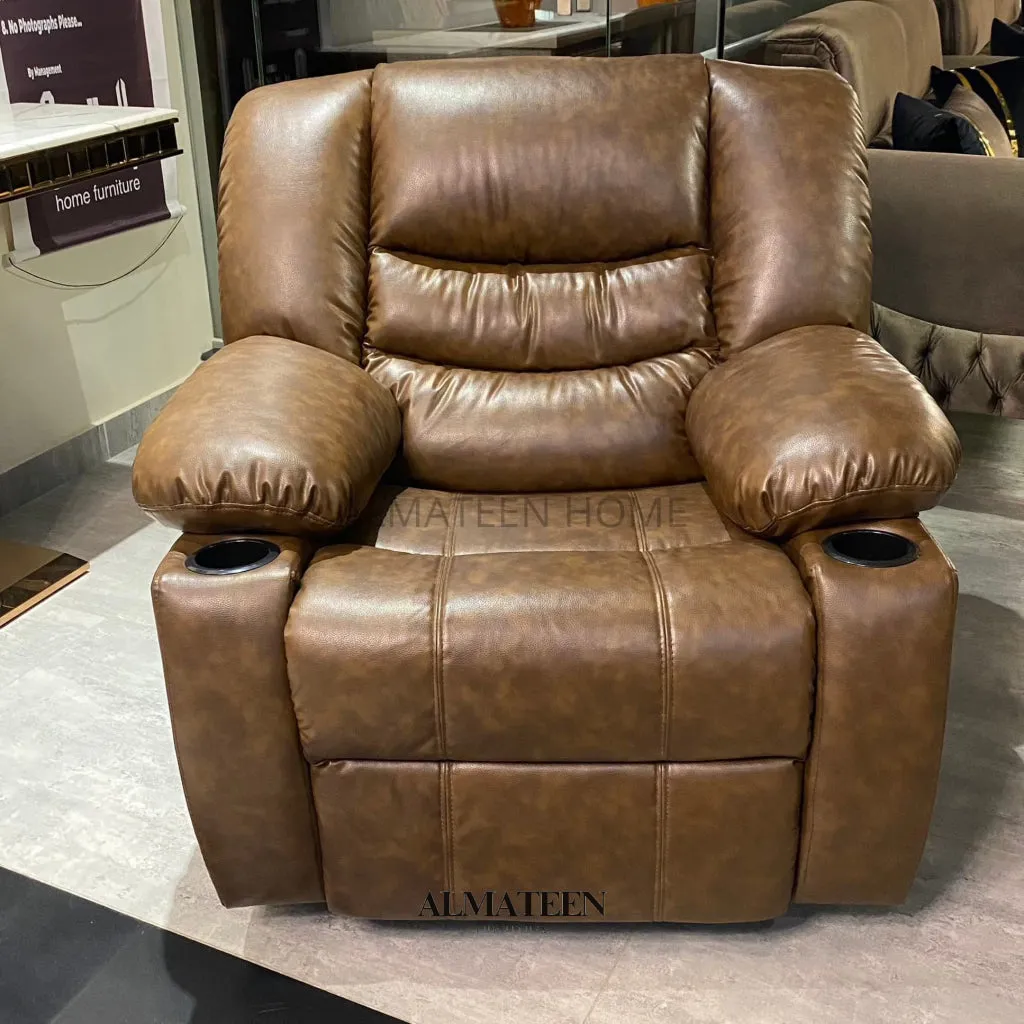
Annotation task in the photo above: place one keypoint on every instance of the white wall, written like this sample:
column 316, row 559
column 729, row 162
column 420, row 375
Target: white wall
column 72, row 359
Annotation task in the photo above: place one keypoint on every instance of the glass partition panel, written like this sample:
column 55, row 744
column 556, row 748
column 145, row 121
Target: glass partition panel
column 363, row 33
column 748, row 22
column 266, row 41
column 373, row 31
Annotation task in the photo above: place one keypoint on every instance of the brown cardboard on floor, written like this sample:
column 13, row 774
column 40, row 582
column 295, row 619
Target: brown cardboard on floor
column 29, row 575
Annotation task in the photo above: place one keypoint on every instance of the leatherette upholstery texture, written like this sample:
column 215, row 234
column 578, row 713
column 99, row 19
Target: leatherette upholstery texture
column 707, row 843
column 492, row 323
column 784, row 454
column 294, row 202
column 269, row 435
column 880, row 715
column 704, row 645
column 246, row 783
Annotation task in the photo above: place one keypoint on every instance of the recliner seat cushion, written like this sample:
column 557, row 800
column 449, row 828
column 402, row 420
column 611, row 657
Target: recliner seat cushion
column 619, row 643
column 428, row 522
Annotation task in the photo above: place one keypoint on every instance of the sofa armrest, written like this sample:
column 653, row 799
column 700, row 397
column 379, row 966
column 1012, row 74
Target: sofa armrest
column 863, row 43
column 818, row 426
column 948, row 234
column 269, row 435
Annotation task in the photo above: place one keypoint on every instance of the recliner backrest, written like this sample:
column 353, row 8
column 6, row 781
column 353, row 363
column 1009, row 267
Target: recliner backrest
column 549, row 253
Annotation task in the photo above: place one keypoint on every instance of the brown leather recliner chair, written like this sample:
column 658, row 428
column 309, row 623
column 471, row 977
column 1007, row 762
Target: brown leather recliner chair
column 600, row 323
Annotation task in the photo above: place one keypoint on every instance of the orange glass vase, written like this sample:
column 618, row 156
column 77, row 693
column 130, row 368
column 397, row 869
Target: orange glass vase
column 517, row 13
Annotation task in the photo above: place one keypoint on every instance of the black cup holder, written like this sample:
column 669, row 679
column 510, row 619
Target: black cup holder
column 876, row 549
column 227, row 557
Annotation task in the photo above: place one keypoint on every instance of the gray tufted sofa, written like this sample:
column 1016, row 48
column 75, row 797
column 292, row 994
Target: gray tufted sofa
column 948, row 231
column 948, row 298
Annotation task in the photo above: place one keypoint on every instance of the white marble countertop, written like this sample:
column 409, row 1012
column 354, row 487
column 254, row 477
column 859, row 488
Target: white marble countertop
column 31, row 127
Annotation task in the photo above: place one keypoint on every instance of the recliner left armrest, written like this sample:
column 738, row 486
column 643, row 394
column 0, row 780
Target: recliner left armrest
column 268, row 436
column 817, row 426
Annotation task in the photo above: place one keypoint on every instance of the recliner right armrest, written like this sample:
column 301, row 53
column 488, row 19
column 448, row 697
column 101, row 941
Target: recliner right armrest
column 818, row 426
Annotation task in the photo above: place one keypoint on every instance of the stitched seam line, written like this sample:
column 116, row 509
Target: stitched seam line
column 442, row 811
column 451, row 825
column 449, row 844
column 442, row 799
column 251, row 506
column 440, row 593
column 664, row 632
column 665, row 655
column 661, row 806
column 835, row 501
column 455, row 508
column 664, row 838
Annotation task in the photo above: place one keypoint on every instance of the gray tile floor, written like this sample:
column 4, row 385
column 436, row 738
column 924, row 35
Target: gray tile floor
column 90, row 802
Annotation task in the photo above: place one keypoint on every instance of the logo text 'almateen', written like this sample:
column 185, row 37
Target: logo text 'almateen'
column 521, row 903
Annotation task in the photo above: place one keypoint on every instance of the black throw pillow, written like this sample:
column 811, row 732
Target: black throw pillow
column 920, row 126
column 1007, row 40
column 1000, row 85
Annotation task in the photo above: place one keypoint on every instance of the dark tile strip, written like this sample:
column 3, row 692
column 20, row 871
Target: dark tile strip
column 64, row 960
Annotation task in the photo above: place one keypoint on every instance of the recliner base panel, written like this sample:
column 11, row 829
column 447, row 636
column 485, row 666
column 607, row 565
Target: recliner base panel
column 708, row 842
column 712, row 841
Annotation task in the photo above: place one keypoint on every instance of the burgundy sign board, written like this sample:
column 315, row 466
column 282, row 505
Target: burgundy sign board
column 105, row 52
